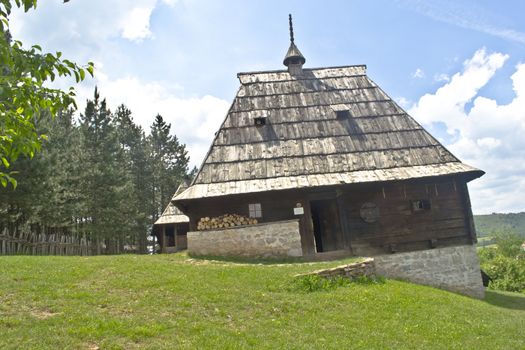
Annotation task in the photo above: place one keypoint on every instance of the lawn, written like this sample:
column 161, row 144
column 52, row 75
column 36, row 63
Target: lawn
column 172, row 301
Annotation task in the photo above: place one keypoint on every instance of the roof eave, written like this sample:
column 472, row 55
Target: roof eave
column 372, row 176
column 364, row 66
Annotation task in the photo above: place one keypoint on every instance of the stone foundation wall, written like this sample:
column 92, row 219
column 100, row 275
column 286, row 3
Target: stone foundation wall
column 351, row 271
column 275, row 239
column 452, row 268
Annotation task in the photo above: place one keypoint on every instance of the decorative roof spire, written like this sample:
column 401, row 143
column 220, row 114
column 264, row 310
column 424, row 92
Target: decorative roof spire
column 291, row 27
column 294, row 59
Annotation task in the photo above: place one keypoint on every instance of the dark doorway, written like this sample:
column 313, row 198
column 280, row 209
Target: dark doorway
column 170, row 236
column 327, row 227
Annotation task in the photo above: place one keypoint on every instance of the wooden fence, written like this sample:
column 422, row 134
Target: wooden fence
column 28, row 243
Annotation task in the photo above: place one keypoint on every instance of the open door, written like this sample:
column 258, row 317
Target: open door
column 170, row 236
column 327, row 226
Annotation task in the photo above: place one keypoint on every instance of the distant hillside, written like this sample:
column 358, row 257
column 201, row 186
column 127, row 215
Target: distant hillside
column 487, row 225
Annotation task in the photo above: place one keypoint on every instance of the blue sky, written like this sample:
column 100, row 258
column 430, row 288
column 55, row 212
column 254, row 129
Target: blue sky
column 456, row 66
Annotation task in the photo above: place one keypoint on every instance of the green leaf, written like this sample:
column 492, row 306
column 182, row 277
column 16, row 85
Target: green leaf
column 90, row 68
column 5, row 162
column 24, row 92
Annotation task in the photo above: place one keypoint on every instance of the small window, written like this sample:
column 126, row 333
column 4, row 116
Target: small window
column 260, row 121
column 420, row 205
column 255, row 210
column 345, row 114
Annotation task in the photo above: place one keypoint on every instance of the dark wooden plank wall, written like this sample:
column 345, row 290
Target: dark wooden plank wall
column 399, row 228
column 276, row 206
column 171, row 235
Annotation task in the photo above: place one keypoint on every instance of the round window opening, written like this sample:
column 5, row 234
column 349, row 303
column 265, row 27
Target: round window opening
column 369, row 212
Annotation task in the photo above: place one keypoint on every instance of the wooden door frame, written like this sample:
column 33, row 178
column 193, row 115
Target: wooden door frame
column 334, row 195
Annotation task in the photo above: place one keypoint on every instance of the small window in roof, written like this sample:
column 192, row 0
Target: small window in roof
column 259, row 121
column 344, row 114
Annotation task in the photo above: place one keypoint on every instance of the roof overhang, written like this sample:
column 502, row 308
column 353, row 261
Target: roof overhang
column 199, row 191
column 172, row 219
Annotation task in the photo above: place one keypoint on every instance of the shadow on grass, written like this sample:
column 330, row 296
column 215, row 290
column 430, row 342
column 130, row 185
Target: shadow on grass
column 269, row 260
column 514, row 301
column 246, row 260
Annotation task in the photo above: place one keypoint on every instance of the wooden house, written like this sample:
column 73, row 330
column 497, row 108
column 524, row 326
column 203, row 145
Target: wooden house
column 172, row 227
column 329, row 149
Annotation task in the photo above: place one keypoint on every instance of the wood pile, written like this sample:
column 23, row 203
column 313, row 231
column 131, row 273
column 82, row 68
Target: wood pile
column 224, row 221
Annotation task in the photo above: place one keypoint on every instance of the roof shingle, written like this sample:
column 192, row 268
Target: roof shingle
column 304, row 143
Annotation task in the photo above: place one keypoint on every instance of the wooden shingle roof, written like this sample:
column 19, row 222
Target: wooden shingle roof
column 172, row 214
column 305, row 142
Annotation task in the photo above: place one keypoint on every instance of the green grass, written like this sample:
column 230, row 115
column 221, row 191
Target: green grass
column 171, row 301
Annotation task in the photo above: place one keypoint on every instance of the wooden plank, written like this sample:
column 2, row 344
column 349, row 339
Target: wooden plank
column 286, row 87
column 163, row 240
column 330, row 163
column 400, row 238
column 347, row 238
column 316, row 128
column 201, row 190
column 317, row 146
column 316, row 73
column 469, row 219
column 302, row 99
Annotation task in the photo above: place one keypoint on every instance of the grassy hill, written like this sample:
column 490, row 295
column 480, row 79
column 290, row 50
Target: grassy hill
column 487, row 225
column 171, row 301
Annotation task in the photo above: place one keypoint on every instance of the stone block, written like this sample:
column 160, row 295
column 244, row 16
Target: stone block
column 451, row 268
column 276, row 239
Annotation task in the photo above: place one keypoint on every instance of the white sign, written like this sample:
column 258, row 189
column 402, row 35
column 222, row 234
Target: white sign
column 298, row 211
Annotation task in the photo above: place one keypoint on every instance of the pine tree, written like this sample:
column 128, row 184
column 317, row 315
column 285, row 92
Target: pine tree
column 106, row 183
column 46, row 199
column 100, row 177
column 132, row 140
column 170, row 165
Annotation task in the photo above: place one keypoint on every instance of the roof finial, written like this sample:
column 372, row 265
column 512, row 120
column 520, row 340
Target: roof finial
column 294, row 59
column 291, row 27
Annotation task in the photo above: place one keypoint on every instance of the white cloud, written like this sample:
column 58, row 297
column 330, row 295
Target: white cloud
column 170, row 2
column 489, row 136
column 135, row 24
column 418, row 74
column 470, row 16
column 403, row 102
column 93, row 31
column 441, row 78
column 488, row 143
column 91, row 21
column 447, row 104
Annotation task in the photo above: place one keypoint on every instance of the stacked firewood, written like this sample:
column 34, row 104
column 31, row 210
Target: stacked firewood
column 224, row 221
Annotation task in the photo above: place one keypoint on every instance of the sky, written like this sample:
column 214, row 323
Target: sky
column 456, row 66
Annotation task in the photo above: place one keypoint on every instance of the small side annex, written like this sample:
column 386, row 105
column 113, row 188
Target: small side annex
column 172, row 227
column 329, row 149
